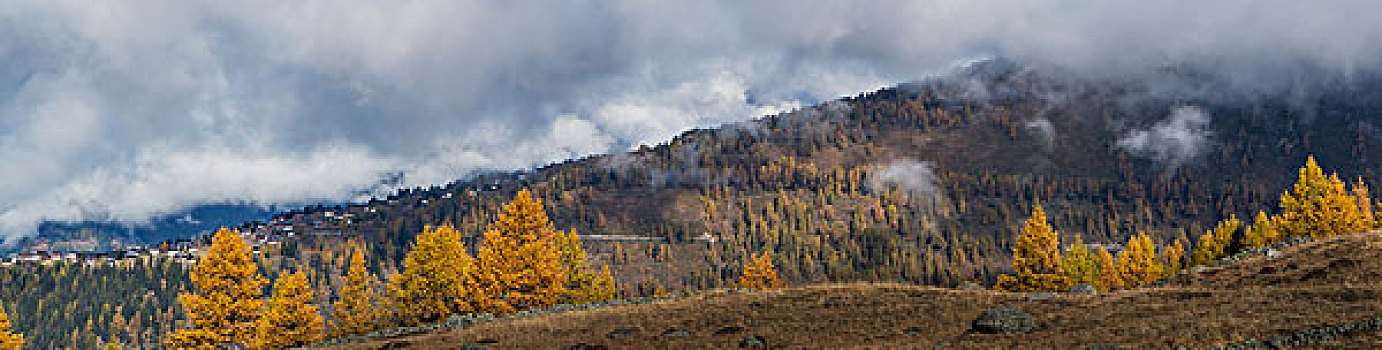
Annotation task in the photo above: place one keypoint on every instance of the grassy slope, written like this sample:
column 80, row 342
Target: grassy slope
column 1321, row 283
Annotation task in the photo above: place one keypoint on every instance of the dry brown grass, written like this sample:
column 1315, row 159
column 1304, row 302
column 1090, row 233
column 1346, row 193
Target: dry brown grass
column 1316, row 284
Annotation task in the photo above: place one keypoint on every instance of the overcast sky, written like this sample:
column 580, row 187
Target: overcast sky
column 122, row 110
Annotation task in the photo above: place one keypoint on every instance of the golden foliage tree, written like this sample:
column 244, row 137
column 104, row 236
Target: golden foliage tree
column 1138, row 262
column 1079, row 265
column 356, row 311
column 1367, row 215
column 436, row 280
column 9, row 340
column 1173, row 257
column 227, row 301
column 1036, row 258
column 1262, row 232
column 760, row 274
column 519, row 264
column 580, row 280
column 1319, row 206
column 603, row 287
column 1214, row 243
column 1109, row 276
column 290, row 319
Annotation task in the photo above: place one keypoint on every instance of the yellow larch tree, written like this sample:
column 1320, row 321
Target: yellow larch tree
column 1318, row 206
column 1079, row 265
column 1173, row 257
column 9, row 339
column 1036, row 258
column 519, row 264
column 580, row 279
column 760, row 274
column 602, row 288
column 290, row 318
column 1367, row 214
column 227, row 299
column 1109, row 276
column 356, row 312
column 1214, row 243
column 1138, row 262
column 436, row 280
column 1262, row 232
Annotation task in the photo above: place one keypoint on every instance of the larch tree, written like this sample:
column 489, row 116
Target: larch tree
column 760, row 274
column 1079, row 265
column 1214, row 243
column 437, row 279
column 1318, row 206
column 580, row 280
column 1109, row 276
column 1367, row 214
column 519, row 264
column 1262, row 232
column 603, row 287
column 290, row 319
column 1173, row 257
column 227, row 299
column 1138, row 262
column 9, row 339
column 356, row 312
column 1036, row 258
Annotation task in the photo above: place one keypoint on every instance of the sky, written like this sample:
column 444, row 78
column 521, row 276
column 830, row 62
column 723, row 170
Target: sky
column 126, row 110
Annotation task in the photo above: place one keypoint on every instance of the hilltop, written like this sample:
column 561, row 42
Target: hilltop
column 1314, row 285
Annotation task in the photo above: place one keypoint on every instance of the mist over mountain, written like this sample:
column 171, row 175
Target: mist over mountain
column 129, row 112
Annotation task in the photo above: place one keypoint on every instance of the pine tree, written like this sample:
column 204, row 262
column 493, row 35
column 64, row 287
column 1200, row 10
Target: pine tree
column 437, row 279
column 1138, row 262
column 1079, row 265
column 760, row 274
column 1214, row 244
column 1318, row 206
column 227, row 301
column 1036, row 258
column 356, row 312
column 580, row 281
column 1109, row 276
column 519, row 264
column 9, row 340
column 290, row 319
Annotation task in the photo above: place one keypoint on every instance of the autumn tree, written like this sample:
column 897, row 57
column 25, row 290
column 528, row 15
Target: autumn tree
column 1138, row 262
column 9, row 340
column 760, row 274
column 1214, row 243
column 1367, row 215
column 1079, row 265
column 436, row 280
column 1036, row 258
column 1173, row 257
column 602, row 288
column 1319, row 206
column 580, row 280
column 519, row 264
column 290, row 319
column 1262, row 232
column 226, row 302
column 356, row 311
column 1109, row 276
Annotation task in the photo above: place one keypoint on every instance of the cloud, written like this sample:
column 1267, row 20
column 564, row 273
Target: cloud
column 107, row 110
column 918, row 178
column 1180, row 138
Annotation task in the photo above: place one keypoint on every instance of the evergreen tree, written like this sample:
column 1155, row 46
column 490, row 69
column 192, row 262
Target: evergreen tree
column 1319, row 206
column 436, row 280
column 9, row 340
column 1109, row 276
column 1079, row 265
column 1036, row 258
column 519, row 262
column 227, row 301
column 290, row 319
column 1138, row 262
column 356, row 311
column 760, row 274
column 1214, row 244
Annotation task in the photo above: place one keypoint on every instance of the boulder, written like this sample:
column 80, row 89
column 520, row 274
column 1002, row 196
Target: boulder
column 753, row 342
column 622, row 332
column 1003, row 319
column 1083, row 289
column 675, row 332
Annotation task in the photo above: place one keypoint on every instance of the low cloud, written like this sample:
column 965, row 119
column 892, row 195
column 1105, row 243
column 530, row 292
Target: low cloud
column 1182, row 137
column 916, row 177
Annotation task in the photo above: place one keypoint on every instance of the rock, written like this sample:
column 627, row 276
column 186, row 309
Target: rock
column 971, row 286
column 487, row 341
column 397, row 344
column 1102, row 347
column 675, row 332
column 1083, row 289
column 1040, row 295
column 729, row 330
column 913, row 331
column 1003, row 319
column 584, row 346
column 473, row 346
column 1273, row 253
column 753, row 342
column 622, row 332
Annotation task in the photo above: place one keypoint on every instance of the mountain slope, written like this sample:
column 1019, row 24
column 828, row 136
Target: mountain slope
column 1260, row 298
